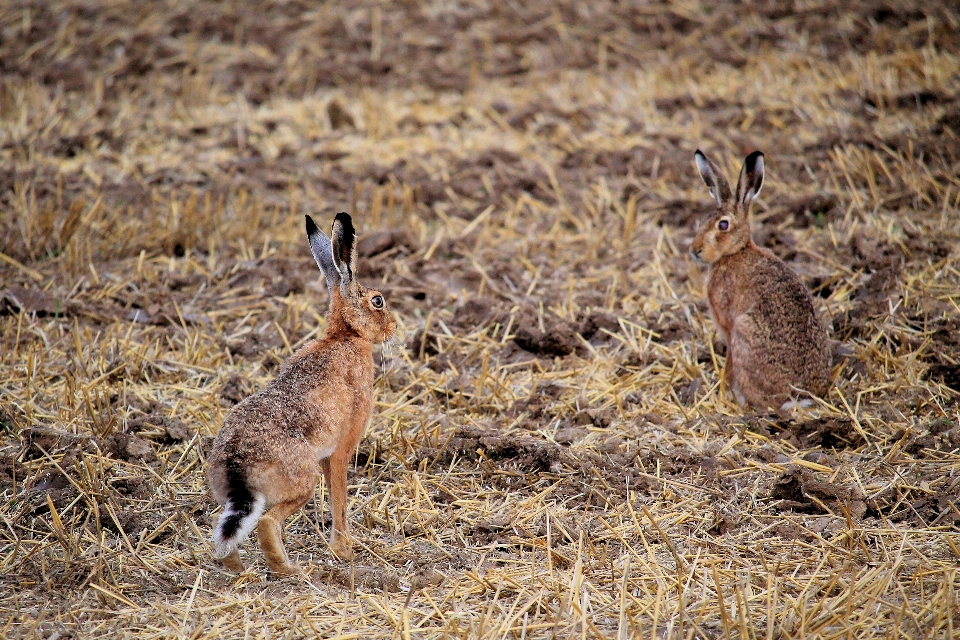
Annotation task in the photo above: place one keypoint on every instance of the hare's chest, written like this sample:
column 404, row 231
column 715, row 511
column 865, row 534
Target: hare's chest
column 326, row 451
column 732, row 288
column 721, row 299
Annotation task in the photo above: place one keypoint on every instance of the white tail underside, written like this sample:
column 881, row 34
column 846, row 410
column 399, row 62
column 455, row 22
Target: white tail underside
column 225, row 546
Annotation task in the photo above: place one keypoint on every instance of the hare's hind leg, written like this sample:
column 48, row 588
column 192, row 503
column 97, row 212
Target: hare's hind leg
column 335, row 474
column 269, row 534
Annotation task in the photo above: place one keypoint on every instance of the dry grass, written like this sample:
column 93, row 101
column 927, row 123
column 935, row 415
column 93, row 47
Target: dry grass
column 552, row 454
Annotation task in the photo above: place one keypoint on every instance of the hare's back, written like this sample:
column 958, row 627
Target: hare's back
column 265, row 426
column 783, row 301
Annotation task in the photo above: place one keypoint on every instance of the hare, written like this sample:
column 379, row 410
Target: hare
column 777, row 349
column 267, row 458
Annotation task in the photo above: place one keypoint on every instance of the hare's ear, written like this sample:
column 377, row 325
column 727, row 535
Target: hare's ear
column 344, row 248
column 713, row 178
column 323, row 254
column 751, row 180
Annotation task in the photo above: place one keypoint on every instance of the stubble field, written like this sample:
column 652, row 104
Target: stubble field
column 551, row 453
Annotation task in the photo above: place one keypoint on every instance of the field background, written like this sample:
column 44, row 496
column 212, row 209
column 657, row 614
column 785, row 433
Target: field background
column 551, row 454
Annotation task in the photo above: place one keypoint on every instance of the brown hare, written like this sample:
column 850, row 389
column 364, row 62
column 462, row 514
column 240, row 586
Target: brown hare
column 777, row 349
column 267, row 458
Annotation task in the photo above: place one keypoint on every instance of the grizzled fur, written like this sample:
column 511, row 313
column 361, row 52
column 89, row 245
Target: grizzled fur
column 273, row 446
column 777, row 349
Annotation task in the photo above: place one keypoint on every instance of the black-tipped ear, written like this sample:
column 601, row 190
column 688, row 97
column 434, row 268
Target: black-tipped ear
column 323, row 253
column 713, row 178
column 344, row 247
column 751, row 180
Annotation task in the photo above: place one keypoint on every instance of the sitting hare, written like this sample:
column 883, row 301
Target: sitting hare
column 777, row 348
column 267, row 458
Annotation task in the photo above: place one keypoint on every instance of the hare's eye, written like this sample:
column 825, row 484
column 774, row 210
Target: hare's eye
column 723, row 225
column 377, row 302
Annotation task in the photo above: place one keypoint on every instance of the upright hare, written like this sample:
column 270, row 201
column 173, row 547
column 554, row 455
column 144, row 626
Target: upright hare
column 267, row 459
column 777, row 350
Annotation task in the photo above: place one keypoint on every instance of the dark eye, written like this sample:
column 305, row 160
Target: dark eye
column 723, row 225
column 377, row 302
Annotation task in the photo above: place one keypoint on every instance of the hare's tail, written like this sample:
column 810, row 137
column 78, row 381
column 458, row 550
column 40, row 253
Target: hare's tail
column 240, row 514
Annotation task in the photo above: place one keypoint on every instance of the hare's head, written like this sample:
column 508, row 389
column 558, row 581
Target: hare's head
column 727, row 230
column 362, row 310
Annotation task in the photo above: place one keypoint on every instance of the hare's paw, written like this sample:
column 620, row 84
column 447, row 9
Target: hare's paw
column 342, row 547
column 287, row 569
column 232, row 562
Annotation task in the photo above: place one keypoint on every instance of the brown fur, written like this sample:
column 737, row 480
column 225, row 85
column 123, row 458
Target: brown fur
column 776, row 344
column 304, row 424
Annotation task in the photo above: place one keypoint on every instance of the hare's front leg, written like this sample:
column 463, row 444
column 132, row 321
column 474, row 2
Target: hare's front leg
column 728, row 369
column 751, row 378
column 739, row 359
column 335, row 476
column 269, row 532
